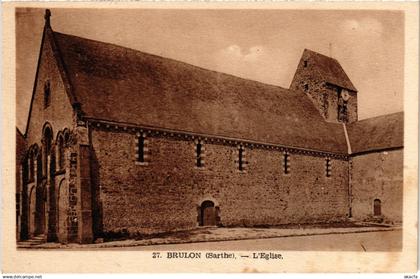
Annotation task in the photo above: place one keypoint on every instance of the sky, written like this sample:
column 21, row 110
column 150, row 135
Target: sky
column 262, row 45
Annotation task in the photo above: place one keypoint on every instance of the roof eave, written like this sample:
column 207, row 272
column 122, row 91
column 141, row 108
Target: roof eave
column 36, row 80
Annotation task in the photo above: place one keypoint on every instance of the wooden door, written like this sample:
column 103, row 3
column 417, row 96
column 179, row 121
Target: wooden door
column 208, row 214
column 377, row 207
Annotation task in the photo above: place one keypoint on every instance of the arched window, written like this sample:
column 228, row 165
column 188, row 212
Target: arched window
column 377, row 207
column 66, row 136
column 60, row 152
column 47, row 94
column 32, row 157
column 47, row 142
column 31, row 161
column 39, row 163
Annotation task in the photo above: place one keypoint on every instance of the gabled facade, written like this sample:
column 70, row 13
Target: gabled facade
column 124, row 143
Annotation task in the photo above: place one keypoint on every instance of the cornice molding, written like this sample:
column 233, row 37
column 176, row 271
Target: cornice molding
column 207, row 138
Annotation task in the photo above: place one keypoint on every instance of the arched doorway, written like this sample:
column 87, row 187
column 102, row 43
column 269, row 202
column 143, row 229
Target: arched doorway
column 377, row 207
column 208, row 214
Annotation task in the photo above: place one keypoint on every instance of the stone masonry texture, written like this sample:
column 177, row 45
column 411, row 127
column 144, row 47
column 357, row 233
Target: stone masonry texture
column 164, row 195
column 378, row 175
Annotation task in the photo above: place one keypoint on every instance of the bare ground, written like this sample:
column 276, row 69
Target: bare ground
column 219, row 235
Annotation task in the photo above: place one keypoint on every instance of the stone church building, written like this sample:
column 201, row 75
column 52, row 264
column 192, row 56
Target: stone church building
column 121, row 142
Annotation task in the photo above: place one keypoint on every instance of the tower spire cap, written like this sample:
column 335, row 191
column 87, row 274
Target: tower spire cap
column 47, row 17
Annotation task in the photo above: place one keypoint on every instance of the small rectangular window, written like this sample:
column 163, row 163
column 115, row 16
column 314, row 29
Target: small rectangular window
column 241, row 158
column 199, row 154
column 286, row 162
column 140, row 150
column 328, row 167
column 241, row 161
column 31, row 167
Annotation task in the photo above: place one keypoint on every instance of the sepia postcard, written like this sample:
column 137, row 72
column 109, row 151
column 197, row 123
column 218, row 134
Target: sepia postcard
column 210, row 138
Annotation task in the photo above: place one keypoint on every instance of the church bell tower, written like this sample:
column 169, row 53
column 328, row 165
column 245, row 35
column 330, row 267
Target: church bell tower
column 324, row 81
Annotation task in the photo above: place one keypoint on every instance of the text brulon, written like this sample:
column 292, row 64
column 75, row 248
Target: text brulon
column 220, row 255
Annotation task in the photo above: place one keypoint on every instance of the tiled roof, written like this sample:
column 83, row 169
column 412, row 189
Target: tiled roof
column 120, row 84
column 382, row 132
column 329, row 69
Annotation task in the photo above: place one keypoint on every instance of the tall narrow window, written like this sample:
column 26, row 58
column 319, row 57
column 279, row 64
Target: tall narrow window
column 39, row 165
column 241, row 159
column 31, row 165
column 141, row 148
column 47, row 141
column 305, row 63
column 199, row 154
column 328, row 167
column 140, row 151
column 60, row 152
column 377, row 207
column 286, row 162
column 241, row 162
column 47, row 94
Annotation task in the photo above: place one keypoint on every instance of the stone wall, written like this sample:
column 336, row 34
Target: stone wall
column 21, row 189
column 165, row 193
column 378, row 175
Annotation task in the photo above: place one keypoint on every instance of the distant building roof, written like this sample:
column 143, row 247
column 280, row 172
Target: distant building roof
column 329, row 69
column 120, row 84
column 382, row 132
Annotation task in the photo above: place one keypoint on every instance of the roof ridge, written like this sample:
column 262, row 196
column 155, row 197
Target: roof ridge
column 380, row 116
column 318, row 53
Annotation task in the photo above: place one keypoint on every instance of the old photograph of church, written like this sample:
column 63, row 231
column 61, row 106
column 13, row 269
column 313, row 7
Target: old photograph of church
column 184, row 127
